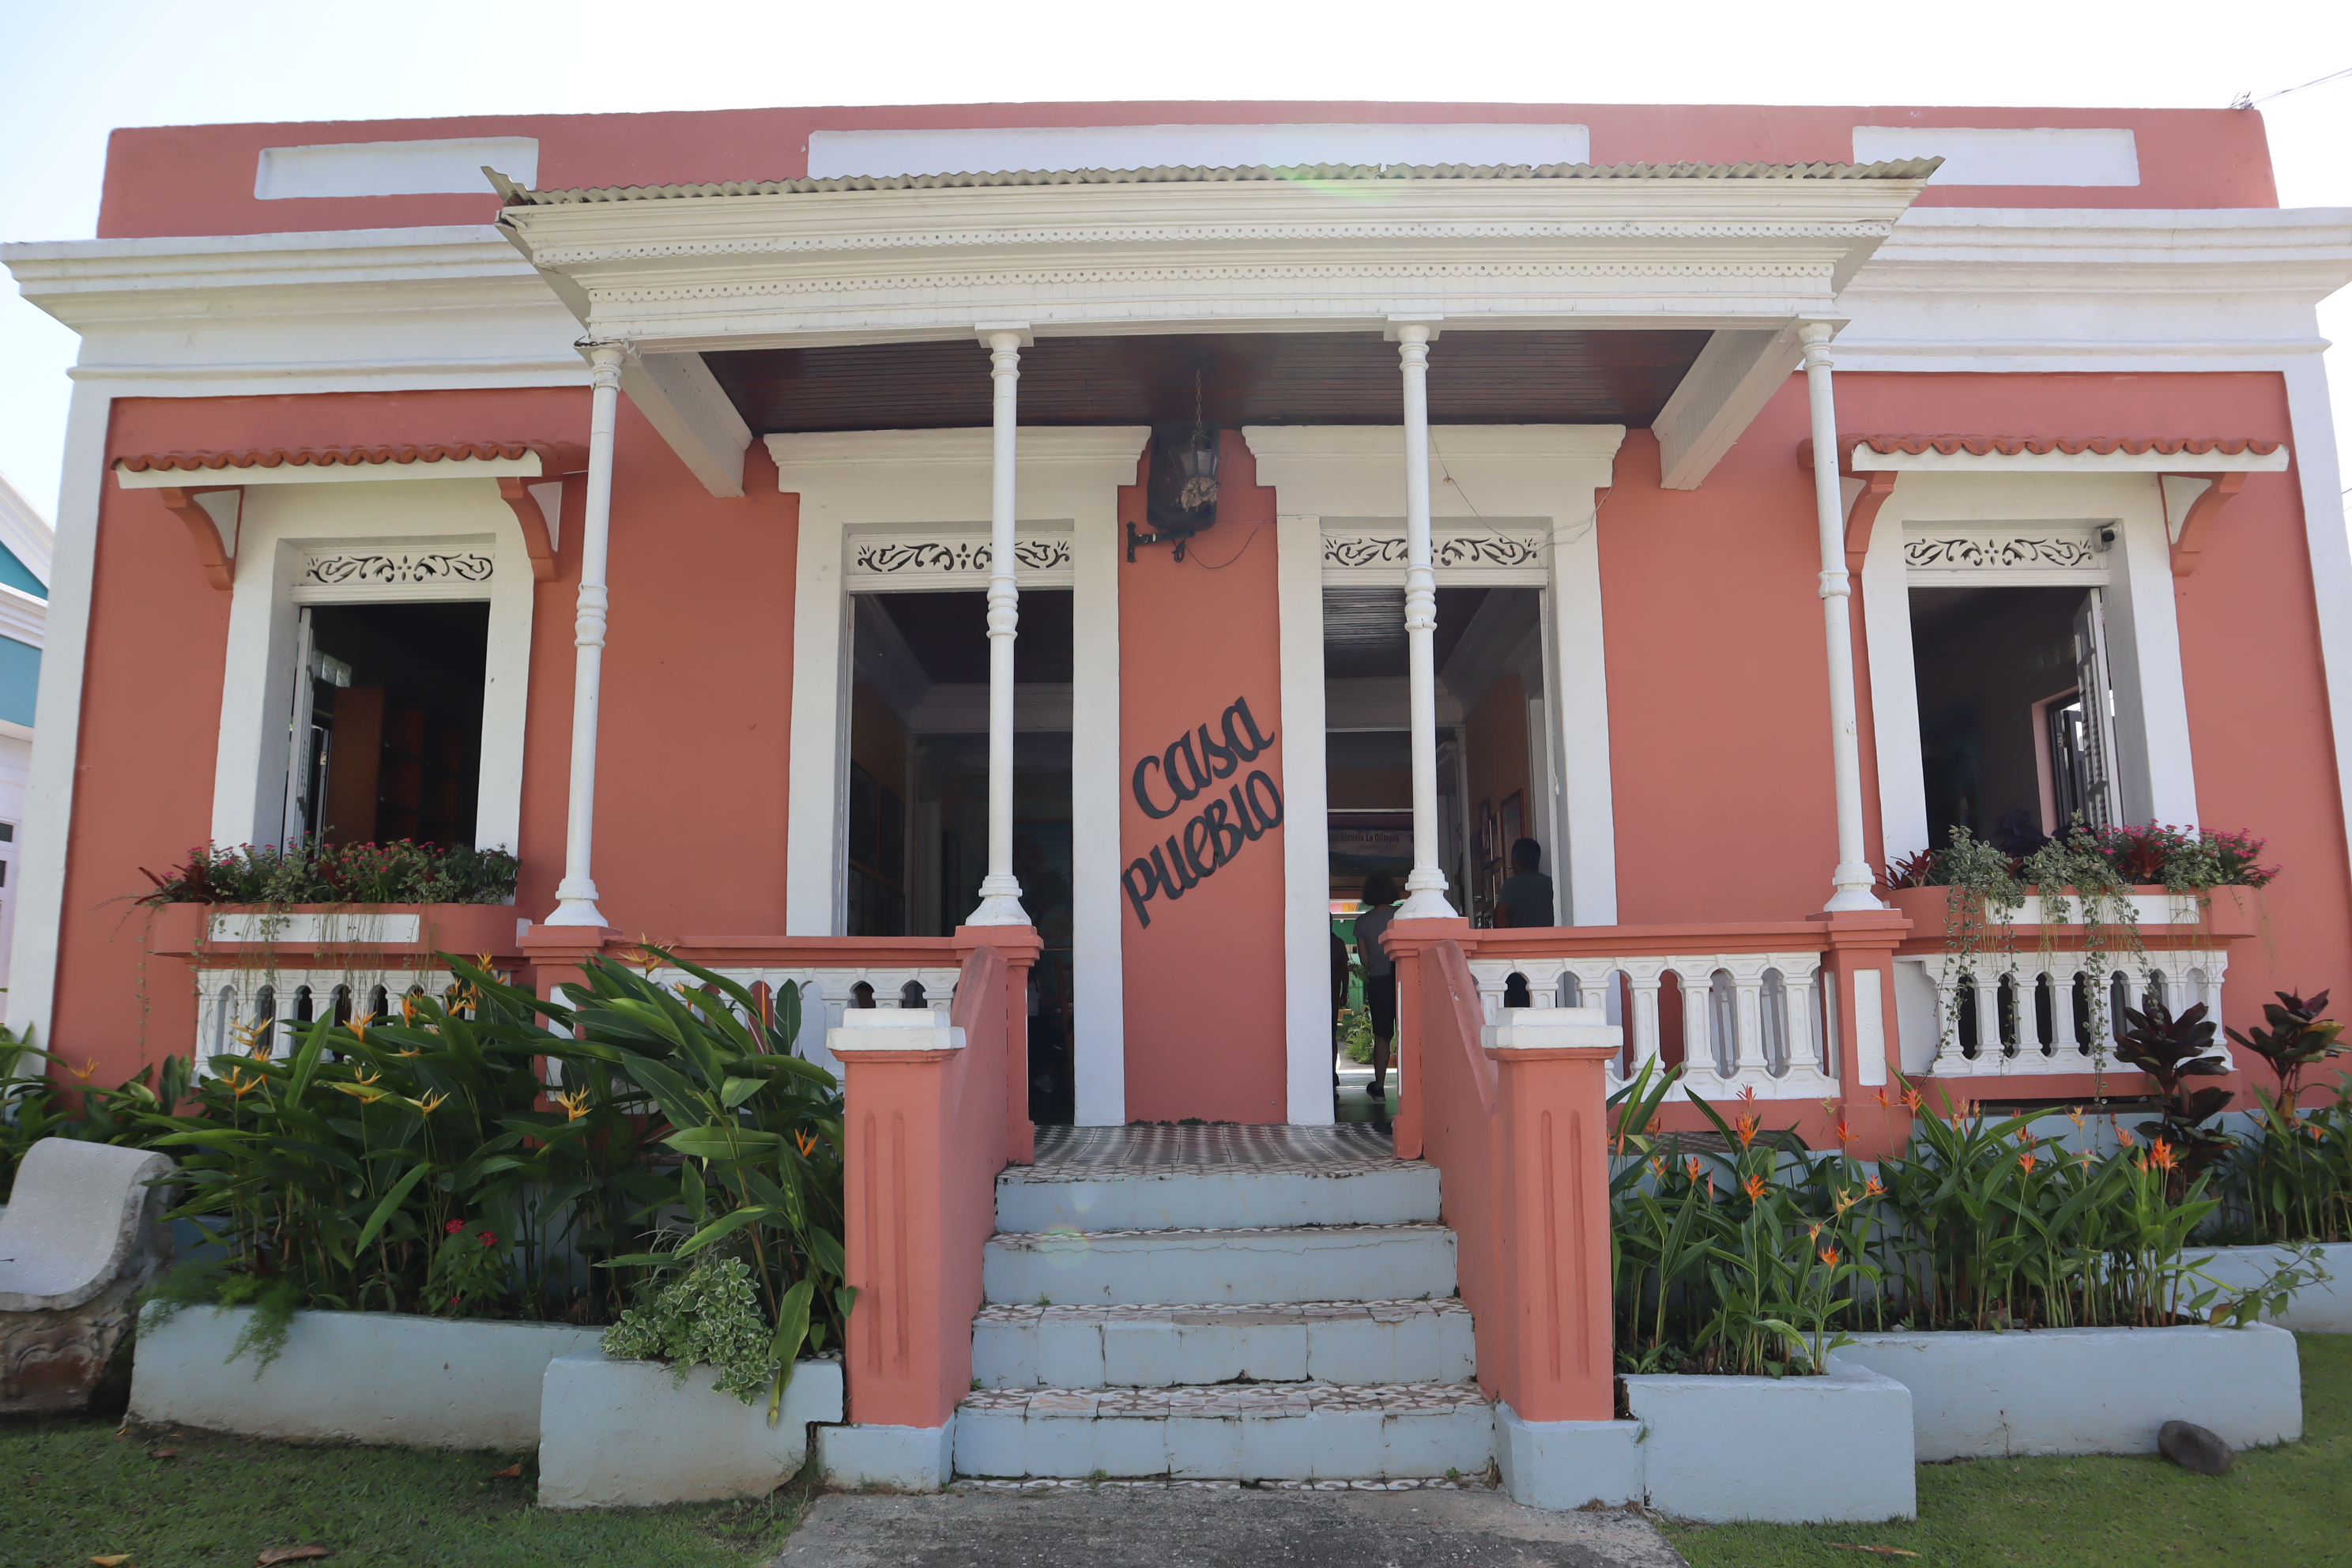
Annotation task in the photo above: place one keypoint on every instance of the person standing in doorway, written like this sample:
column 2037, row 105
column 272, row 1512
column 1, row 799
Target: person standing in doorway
column 1379, row 971
column 1525, row 900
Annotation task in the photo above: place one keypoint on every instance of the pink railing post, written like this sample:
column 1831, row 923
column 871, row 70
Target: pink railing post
column 1858, row 965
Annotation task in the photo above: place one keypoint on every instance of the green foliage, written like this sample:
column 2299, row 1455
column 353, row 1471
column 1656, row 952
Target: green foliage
column 34, row 1105
column 420, row 1164
column 709, row 1316
column 2292, row 1180
column 1356, row 1033
column 311, row 871
column 1757, row 1260
column 2171, row 1051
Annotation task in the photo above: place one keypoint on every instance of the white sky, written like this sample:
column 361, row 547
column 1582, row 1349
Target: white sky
column 75, row 71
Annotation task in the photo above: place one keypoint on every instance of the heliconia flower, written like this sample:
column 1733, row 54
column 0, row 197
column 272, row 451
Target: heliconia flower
column 2026, row 1163
column 2123, row 1136
column 1813, row 1231
column 1755, row 1187
column 1914, row 1101
column 2161, row 1153
column 807, row 1142
column 575, row 1104
column 1871, row 1189
column 1747, row 1126
column 1658, row 1166
column 432, row 1102
column 1749, row 1094
column 1691, row 1164
column 84, row 1072
column 453, row 1228
column 1830, row 1256
column 1885, row 1102
column 1845, row 1200
column 1845, row 1132
column 2074, row 1114
column 1828, row 1107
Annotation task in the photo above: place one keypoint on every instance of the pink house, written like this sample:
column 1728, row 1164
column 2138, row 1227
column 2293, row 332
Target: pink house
column 844, row 543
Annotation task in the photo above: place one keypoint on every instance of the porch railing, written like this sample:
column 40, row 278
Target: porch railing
column 2058, row 1012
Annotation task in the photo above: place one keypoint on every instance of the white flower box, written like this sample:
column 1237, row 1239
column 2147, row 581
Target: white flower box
column 617, row 1433
column 1788, row 1450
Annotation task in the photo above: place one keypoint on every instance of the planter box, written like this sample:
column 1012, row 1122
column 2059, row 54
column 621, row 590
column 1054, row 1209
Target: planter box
column 231, row 933
column 2322, row 1309
column 622, row 1433
column 2229, row 916
column 2088, row 1391
column 362, row 1377
column 1792, row 1450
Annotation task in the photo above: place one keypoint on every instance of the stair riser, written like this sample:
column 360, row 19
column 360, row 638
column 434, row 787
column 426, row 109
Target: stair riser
column 1420, row 1349
column 1224, row 1201
column 1324, row 1446
column 1289, row 1266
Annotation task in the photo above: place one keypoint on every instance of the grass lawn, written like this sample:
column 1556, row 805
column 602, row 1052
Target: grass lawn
column 71, row 1491
column 2290, row 1505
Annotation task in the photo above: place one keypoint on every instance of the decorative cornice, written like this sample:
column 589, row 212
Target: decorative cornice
column 901, row 557
column 2000, row 548
column 1456, row 550
column 375, row 569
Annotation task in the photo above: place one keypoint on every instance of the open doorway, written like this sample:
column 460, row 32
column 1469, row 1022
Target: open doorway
column 916, row 816
column 2016, row 712
column 389, row 705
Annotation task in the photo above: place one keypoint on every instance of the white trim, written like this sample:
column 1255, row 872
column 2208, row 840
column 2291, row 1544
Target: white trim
column 1011, row 149
column 2020, row 155
column 280, row 527
column 24, row 531
column 1306, row 837
column 1546, row 472
column 1097, row 916
column 2322, row 473
column 894, row 478
column 2158, row 775
column 49, row 797
column 329, row 473
column 1866, row 461
column 23, row 617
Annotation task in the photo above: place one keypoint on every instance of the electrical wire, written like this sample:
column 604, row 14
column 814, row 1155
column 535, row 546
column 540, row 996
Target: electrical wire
column 2248, row 101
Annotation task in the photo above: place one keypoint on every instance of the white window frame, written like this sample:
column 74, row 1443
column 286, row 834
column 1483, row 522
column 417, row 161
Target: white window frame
column 2156, row 776
column 282, row 529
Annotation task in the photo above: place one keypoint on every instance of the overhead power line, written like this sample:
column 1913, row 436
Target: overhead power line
column 2248, row 101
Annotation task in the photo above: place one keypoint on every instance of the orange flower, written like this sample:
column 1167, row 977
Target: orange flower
column 2161, row 1154
column 1914, row 1101
column 575, row 1104
column 1845, row 1132
column 1871, row 1189
column 1846, row 1200
column 1749, row 1094
column 1658, row 1166
column 83, row 1072
column 1813, row 1231
column 2123, row 1136
column 2074, row 1114
column 1755, row 1187
column 359, row 1031
column 1690, row 1165
column 1710, row 1187
column 1886, row 1102
column 2026, row 1163
column 1830, row 1256
column 1748, row 1126
column 2315, row 1130
column 807, row 1142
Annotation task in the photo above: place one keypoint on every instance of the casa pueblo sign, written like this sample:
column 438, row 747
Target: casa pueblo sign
column 1223, row 826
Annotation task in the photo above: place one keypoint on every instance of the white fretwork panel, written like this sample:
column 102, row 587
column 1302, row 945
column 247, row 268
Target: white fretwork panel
column 2051, row 1018
column 234, row 1004
column 425, row 567
column 827, row 993
column 932, row 558
column 1750, row 1020
column 1464, row 556
column 1959, row 554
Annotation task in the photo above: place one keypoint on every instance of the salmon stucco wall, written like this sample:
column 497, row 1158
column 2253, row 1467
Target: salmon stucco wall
column 692, row 767
column 1204, row 979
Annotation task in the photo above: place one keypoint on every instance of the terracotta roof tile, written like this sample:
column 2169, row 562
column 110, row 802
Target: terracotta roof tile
column 2071, row 445
column 550, row 455
column 516, row 196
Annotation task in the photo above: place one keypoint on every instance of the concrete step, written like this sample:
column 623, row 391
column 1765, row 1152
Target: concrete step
column 1226, row 1197
column 1354, row 1342
column 1236, row 1431
column 1163, row 1267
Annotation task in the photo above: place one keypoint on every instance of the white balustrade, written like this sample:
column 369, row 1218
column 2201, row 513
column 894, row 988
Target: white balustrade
column 1749, row 1019
column 2000, row 1013
column 827, row 993
column 236, row 1007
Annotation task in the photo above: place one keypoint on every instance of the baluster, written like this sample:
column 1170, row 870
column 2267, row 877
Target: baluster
column 1748, row 1065
column 1949, row 1061
column 1642, row 981
column 1796, row 1025
column 1697, row 976
column 1491, row 979
column 1989, row 1049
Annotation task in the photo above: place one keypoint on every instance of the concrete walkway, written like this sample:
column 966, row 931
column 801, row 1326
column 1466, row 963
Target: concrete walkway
column 1181, row 1528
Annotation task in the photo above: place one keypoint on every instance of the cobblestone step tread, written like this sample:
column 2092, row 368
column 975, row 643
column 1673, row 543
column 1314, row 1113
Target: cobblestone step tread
column 1272, row 1400
column 1052, row 1240
column 1239, row 1315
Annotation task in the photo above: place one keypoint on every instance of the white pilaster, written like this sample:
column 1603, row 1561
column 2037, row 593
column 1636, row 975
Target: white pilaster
column 575, row 897
column 1424, row 885
column 999, row 890
column 1850, row 882
column 1306, row 838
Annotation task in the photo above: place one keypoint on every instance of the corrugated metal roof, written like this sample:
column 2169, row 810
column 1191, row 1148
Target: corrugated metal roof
column 1901, row 169
column 549, row 454
column 2071, row 445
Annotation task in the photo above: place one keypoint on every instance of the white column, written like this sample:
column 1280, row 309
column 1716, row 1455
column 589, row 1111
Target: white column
column 575, row 896
column 1850, row 883
column 1424, row 885
column 999, row 890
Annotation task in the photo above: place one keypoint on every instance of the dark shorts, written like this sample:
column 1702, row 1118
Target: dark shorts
column 1380, row 1000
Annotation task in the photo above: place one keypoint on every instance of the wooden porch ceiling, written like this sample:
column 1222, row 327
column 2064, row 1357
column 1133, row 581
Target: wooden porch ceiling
column 1269, row 378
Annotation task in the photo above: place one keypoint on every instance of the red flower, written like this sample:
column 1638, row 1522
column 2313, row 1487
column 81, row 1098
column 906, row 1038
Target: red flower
column 489, row 1239
column 453, row 1228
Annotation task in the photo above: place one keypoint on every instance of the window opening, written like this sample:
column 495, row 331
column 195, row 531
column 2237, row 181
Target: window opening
column 388, row 723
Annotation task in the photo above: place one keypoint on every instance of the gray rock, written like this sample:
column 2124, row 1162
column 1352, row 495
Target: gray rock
column 2193, row 1447
column 80, row 1239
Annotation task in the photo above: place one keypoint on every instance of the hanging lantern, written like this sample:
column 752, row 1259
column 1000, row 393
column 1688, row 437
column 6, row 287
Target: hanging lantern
column 1181, row 499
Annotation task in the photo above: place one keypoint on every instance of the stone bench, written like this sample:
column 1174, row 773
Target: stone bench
column 79, row 1239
